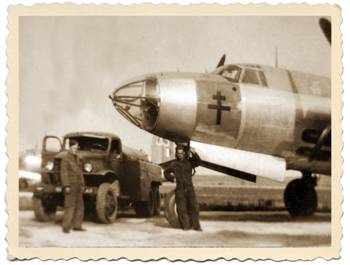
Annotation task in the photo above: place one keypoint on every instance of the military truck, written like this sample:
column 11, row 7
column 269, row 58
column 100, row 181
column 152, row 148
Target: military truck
column 115, row 177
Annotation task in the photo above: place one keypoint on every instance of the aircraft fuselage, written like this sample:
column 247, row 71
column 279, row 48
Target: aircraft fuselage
column 248, row 107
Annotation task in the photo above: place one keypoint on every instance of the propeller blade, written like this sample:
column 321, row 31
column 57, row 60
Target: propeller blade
column 222, row 61
column 326, row 27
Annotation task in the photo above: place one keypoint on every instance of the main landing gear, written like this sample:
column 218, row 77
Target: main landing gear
column 300, row 197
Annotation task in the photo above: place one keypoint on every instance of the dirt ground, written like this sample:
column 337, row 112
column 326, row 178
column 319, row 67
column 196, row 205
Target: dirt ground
column 220, row 229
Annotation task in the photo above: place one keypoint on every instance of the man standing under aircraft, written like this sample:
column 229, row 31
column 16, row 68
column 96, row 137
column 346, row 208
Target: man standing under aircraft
column 185, row 196
column 72, row 180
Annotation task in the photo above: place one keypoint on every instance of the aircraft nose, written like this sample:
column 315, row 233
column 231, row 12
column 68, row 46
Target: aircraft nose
column 139, row 102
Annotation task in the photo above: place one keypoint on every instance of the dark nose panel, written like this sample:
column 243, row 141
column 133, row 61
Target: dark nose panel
column 138, row 102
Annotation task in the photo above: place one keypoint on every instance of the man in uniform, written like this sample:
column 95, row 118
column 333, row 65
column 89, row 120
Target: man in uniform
column 185, row 197
column 72, row 180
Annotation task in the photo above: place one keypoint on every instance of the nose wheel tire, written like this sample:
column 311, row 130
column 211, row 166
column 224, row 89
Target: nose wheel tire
column 300, row 198
column 170, row 209
column 106, row 204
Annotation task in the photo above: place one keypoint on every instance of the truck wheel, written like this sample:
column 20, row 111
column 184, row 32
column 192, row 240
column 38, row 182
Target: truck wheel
column 170, row 209
column 43, row 210
column 106, row 204
column 156, row 200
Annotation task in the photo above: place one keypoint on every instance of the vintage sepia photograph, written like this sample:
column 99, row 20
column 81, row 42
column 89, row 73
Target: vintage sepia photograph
column 177, row 128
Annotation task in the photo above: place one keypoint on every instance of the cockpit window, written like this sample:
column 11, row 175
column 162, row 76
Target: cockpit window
column 231, row 73
column 246, row 74
column 250, row 77
column 262, row 78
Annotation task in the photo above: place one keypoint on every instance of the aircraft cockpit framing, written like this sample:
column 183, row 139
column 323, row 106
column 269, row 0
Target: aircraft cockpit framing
column 250, row 74
column 138, row 102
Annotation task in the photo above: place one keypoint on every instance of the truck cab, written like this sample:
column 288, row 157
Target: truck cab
column 115, row 177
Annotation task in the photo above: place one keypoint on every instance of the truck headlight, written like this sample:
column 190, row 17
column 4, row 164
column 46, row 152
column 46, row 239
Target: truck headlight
column 39, row 188
column 88, row 167
column 89, row 190
column 49, row 165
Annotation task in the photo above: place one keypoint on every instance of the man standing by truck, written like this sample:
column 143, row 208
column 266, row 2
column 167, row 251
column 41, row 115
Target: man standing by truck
column 185, row 196
column 72, row 181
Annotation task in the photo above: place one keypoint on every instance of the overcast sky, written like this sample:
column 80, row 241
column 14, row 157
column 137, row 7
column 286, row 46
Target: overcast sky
column 69, row 65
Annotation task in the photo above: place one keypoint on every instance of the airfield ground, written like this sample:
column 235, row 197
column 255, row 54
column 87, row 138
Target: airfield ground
column 220, row 229
column 271, row 226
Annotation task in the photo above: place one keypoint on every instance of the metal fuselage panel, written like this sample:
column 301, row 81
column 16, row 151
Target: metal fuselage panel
column 178, row 108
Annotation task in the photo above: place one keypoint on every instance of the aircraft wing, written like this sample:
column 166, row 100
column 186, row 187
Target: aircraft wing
column 29, row 175
column 218, row 168
column 237, row 163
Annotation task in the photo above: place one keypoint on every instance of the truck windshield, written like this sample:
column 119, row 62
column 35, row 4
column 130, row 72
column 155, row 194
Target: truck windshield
column 90, row 143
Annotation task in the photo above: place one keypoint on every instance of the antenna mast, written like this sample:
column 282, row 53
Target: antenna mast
column 276, row 57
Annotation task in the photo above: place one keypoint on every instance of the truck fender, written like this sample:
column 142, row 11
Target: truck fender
column 106, row 172
column 116, row 188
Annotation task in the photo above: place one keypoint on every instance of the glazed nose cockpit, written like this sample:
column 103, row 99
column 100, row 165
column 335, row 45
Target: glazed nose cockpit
column 139, row 102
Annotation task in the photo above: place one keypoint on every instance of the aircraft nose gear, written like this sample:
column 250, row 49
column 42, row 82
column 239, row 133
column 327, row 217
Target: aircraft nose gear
column 300, row 197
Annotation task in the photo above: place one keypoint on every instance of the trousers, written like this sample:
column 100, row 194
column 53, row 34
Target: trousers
column 73, row 208
column 187, row 208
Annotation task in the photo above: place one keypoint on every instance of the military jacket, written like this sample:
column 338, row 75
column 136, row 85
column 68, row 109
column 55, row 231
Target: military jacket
column 71, row 170
column 183, row 173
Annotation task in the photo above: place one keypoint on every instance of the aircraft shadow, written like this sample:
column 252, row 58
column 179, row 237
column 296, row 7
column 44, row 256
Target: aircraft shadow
column 265, row 217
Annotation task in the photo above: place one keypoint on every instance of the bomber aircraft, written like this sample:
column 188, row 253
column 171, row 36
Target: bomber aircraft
column 245, row 120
